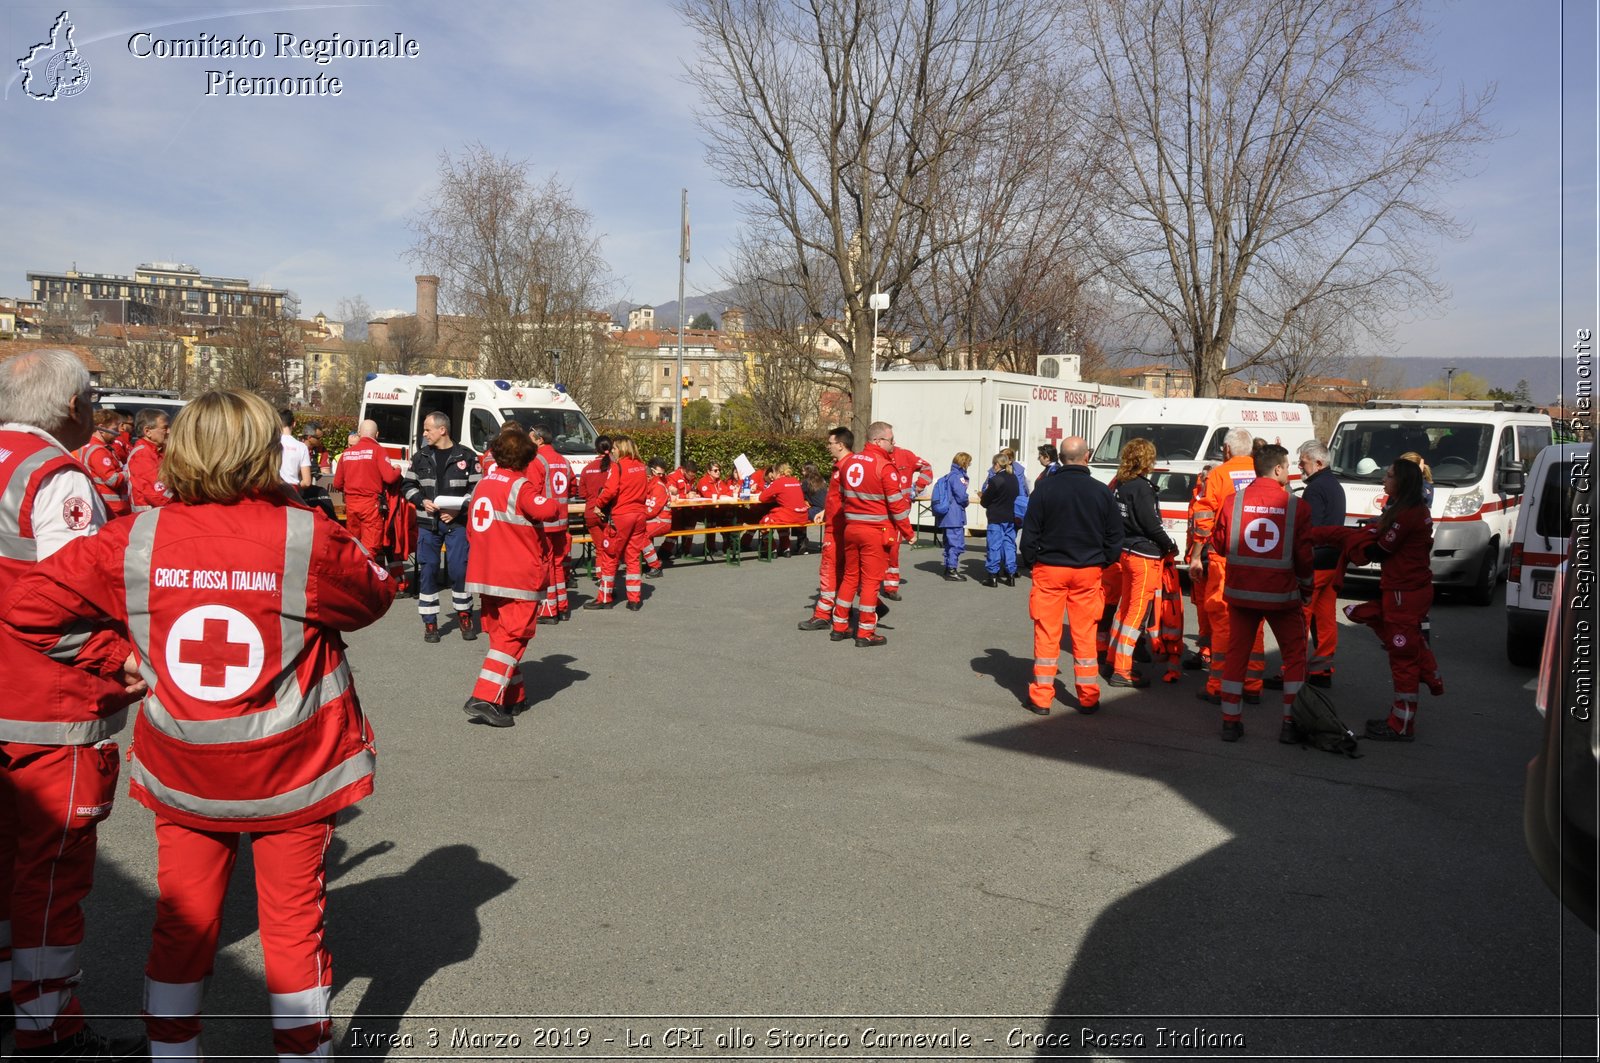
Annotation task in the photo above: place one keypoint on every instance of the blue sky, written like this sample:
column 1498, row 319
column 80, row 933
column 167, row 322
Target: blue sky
column 313, row 194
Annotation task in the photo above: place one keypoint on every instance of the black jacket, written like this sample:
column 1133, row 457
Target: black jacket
column 435, row 473
column 999, row 498
column 1142, row 532
column 1072, row 522
column 1325, row 495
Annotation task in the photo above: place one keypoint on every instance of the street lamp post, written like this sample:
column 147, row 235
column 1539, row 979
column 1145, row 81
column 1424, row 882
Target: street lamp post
column 878, row 301
column 555, row 364
column 1449, row 382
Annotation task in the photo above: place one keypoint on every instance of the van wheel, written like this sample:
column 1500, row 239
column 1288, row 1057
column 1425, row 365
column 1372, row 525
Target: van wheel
column 1523, row 644
column 1482, row 592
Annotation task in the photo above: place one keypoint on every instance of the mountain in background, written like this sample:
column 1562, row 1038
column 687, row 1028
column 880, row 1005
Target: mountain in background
column 1544, row 375
column 713, row 303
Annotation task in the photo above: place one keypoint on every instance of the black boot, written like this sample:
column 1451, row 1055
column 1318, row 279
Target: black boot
column 988, row 581
column 86, row 1044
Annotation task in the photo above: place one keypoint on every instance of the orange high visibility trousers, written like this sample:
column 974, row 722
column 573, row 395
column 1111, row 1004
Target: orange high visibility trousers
column 1074, row 595
column 1141, row 579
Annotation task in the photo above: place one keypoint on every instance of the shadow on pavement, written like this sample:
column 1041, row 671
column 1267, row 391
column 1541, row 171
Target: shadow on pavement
column 550, row 675
column 1324, row 922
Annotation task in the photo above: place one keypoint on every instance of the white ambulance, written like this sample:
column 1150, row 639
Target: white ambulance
column 1550, row 507
column 476, row 408
column 1478, row 453
column 1188, row 434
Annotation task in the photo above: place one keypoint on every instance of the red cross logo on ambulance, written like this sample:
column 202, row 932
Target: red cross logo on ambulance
column 482, row 515
column 1261, row 535
column 214, row 653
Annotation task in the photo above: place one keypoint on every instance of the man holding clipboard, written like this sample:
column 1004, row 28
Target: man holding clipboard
column 439, row 484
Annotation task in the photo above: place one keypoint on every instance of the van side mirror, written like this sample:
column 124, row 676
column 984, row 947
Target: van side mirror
column 1511, row 480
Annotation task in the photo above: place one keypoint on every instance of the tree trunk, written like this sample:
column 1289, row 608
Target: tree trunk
column 862, row 361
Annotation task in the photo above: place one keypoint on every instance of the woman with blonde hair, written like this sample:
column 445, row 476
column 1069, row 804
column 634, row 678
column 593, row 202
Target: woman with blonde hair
column 951, row 497
column 1427, row 476
column 235, row 598
column 619, row 513
column 999, row 501
column 1144, row 543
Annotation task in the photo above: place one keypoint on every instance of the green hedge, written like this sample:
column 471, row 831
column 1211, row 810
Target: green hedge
column 336, row 428
column 707, row 445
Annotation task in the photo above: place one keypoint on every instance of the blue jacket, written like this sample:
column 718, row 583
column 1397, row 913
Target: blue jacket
column 959, row 488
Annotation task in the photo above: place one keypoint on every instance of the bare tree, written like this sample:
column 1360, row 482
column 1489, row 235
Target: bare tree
column 845, row 121
column 409, row 349
column 1314, row 343
column 264, row 355
column 354, row 311
column 519, row 260
column 1265, row 159
column 142, row 358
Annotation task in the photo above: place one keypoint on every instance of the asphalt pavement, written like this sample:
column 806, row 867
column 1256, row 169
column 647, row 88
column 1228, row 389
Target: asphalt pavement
column 710, row 821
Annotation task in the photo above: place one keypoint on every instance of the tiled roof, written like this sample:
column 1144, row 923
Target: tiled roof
column 12, row 348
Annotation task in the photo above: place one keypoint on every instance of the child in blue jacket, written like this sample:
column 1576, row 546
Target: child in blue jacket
column 951, row 496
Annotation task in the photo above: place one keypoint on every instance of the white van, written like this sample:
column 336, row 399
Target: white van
column 1539, row 545
column 129, row 401
column 1478, row 453
column 476, row 408
column 1188, row 435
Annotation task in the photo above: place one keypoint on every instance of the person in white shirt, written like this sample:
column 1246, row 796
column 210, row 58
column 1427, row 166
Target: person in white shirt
column 296, row 470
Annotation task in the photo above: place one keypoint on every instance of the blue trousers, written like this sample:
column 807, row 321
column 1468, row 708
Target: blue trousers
column 453, row 539
column 955, row 541
column 1002, row 554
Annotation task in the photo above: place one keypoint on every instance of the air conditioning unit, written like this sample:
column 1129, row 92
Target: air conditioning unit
column 1060, row 367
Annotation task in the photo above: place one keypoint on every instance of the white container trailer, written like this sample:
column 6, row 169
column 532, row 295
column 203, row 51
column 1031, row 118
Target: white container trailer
column 940, row 412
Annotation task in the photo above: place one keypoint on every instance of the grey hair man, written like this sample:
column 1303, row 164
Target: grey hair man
column 56, row 752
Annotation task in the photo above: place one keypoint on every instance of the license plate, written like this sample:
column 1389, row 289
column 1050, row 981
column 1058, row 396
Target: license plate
column 1542, row 588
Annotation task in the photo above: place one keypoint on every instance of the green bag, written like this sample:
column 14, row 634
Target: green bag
column 1319, row 725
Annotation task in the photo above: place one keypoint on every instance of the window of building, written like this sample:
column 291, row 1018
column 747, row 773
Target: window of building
column 705, row 393
column 705, row 370
column 666, row 372
column 666, row 393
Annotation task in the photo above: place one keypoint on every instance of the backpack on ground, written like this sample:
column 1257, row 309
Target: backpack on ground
column 1320, row 725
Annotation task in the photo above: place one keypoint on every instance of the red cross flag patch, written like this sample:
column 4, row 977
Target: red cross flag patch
column 214, row 653
column 76, row 512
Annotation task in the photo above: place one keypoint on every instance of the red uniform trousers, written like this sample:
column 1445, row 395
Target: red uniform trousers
column 51, row 800
column 1396, row 617
column 364, row 521
column 1322, row 623
column 1221, row 637
column 866, row 560
column 620, row 546
column 1078, row 596
column 555, row 582
column 1141, row 580
column 192, row 872
column 510, row 624
column 891, row 576
column 830, row 573
column 1244, row 629
column 653, row 527
column 786, row 517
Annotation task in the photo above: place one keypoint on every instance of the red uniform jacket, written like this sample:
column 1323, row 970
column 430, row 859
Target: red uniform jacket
column 1266, row 532
column 110, row 479
column 593, row 479
column 145, row 489
column 833, row 508
column 1404, row 549
column 365, row 470
column 789, row 501
column 711, row 487
column 65, row 686
column 626, row 487
column 678, row 481
column 121, row 447
column 915, row 473
column 251, row 722
column 656, row 508
column 870, row 492
column 551, row 476
column 509, row 554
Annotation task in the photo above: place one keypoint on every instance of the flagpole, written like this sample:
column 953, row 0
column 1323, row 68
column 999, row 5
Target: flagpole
column 677, row 409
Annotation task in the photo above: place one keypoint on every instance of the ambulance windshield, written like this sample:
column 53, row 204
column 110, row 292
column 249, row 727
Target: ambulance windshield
column 572, row 431
column 1456, row 453
column 1174, row 442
